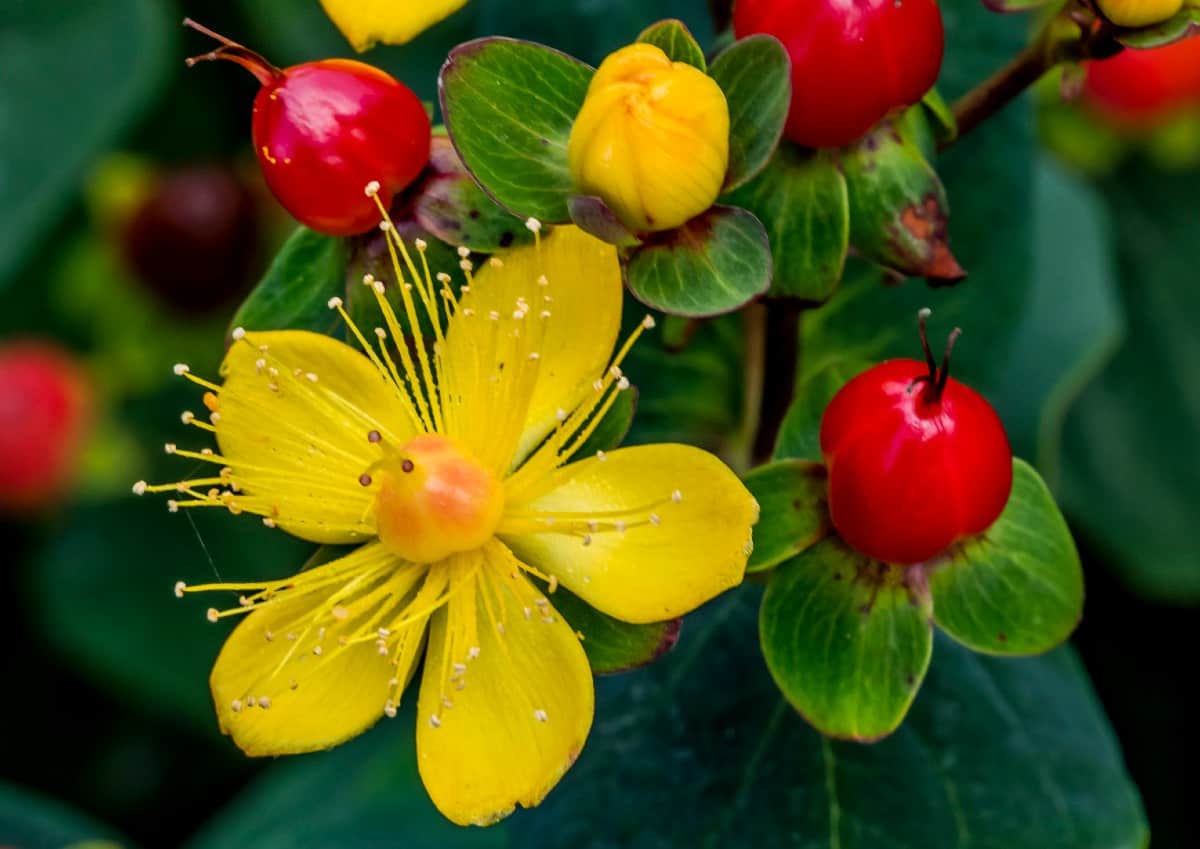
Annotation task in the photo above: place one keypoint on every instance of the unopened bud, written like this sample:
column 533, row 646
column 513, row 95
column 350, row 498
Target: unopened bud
column 1139, row 13
column 652, row 139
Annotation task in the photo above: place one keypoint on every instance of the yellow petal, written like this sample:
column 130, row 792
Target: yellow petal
column 523, row 710
column 299, row 443
column 285, row 683
column 505, row 402
column 366, row 23
column 644, row 534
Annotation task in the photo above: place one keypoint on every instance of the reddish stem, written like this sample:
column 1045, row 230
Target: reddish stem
column 263, row 71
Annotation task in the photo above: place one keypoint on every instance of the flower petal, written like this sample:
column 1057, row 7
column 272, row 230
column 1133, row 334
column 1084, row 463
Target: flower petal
column 284, row 683
column 298, row 442
column 643, row 534
column 366, row 23
column 519, row 714
column 507, row 402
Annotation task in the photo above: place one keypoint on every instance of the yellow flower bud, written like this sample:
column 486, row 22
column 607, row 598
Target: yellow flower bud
column 652, row 139
column 1139, row 13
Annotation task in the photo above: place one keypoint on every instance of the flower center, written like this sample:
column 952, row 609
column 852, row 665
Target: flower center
column 435, row 500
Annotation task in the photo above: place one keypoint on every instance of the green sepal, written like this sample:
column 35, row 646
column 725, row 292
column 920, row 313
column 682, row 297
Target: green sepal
column 1016, row 589
column 847, row 639
column 898, row 206
column 592, row 215
column 674, row 39
column 943, row 124
column 1006, row 7
column 802, row 201
column 294, row 293
column 509, row 107
column 1185, row 23
column 755, row 74
column 793, row 515
column 713, row 264
column 450, row 205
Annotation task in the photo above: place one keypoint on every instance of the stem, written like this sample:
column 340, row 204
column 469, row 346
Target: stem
column 263, row 71
column 754, row 319
column 779, row 374
column 1075, row 34
column 1000, row 89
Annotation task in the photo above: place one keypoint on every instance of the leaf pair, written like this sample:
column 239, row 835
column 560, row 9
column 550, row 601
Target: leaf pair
column 510, row 106
column 848, row 640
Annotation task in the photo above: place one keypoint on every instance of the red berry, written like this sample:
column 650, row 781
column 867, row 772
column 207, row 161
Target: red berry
column 853, row 61
column 916, row 460
column 45, row 412
column 1141, row 88
column 325, row 130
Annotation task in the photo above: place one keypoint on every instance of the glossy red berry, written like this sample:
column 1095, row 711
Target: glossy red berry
column 1141, row 88
column 324, row 131
column 916, row 460
column 45, row 414
column 853, row 61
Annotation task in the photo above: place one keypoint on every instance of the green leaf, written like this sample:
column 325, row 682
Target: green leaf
column 1017, row 589
column 509, row 106
column 898, row 206
column 294, row 294
column 95, row 65
column 33, row 822
column 691, row 395
column 791, row 498
column 713, row 264
column 673, row 38
column 997, row 753
column 1056, row 352
column 800, row 434
column 117, row 563
column 452, row 207
column 802, row 201
column 1130, row 478
column 366, row 793
column 612, row 645
column 847, row 640
column 1184, row 24
column 755, row 74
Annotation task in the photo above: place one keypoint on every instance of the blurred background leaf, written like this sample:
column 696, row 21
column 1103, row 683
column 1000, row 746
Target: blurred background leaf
column 75, row 75
column 31, row 822
column 1131, row 458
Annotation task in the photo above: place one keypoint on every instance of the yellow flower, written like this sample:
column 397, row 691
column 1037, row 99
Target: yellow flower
column 652, row 139
column 1139, row 13
column 452, row 463
column 366, row 23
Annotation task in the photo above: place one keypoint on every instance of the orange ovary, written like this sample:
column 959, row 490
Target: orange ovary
column 435, row 500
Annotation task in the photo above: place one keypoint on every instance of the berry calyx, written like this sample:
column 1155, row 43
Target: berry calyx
column 1141, row 89
column 916, row 460
column 323, row 131
column 45, row 416
column 853, row 61
column 434, row 500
